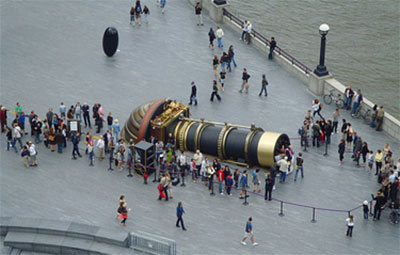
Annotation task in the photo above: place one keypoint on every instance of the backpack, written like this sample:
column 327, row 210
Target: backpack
column 300, row 131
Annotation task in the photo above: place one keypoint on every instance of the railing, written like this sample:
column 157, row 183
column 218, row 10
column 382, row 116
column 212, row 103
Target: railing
column 263, row 39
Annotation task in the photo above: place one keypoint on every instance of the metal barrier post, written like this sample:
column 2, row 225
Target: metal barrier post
column 245, row 197
column 281, row 212
column 183, row 177
column 155, row 175
column 370, row 208
column 212, row 188
column 313, row 216
column 349, row 213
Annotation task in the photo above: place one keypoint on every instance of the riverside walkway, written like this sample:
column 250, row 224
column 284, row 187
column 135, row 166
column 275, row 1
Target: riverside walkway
column 51, row 52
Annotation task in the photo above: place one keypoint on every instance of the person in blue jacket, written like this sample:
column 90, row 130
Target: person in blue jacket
column 243, row 184
column 179, row 214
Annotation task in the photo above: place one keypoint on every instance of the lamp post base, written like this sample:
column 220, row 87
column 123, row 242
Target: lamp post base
column 321, row 71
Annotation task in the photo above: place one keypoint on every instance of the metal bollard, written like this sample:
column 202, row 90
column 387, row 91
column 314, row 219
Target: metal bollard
column 370, row 208
column 313, row 216
column 281, row 212
column 245, row 197
column 212, row 188
column 155, row 175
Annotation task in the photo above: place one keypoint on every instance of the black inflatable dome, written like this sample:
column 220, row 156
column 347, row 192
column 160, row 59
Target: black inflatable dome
column 110, row 41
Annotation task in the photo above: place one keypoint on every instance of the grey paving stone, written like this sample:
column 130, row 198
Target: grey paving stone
column 82, row 231
column 55, row 227
column 112, row 237
column 20, row 240
column 48, row 243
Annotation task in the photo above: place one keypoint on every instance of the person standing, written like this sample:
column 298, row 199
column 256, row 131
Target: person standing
column 350, row 225
column 78, row 111
column 100, row 147
column 380, row 202
column 264, row 84
column 211, row 38
column 86, row 115
column 197, row 10
column 179, row 214
column 236, row 176
column 365, row 209
column 90, row 150
column 25, row 156
column 3, row 119
column 249, row 232
column 59, row 140
column 256, row 182
column 32, row 154
column 341, row 150
column 348, row 97
column 17, row 135
column 316, row 132
column 116, row 129
column 336, row 116
column 379, row 118
column 272, row 45
column 220, row 178
column 328, row 132
column 132, row 15
column 245, row 81
column 215, row 65
column 299, row 166
column 215, row 92
column 244, row 30
column 378, row 161
column 75, row 142
column 373, row 116
column 198, row 159
column 220, row 34
column 222, row 76
column 10, row 141
column 358, row 99
column 243, row 184
column 193, row 94
column 283, row 168
column 229, row 184
column 269, row 184
column 18, row 108
column 110, row 121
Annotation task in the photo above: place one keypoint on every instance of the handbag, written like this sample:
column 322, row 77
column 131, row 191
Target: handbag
column 246, row 85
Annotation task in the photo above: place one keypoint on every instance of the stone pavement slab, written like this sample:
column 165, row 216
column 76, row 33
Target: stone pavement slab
column 53, row 53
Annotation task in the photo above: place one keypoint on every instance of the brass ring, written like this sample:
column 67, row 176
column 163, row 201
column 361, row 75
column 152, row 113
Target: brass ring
column 185, row 131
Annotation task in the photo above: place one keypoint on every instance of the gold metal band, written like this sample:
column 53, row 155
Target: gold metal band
column 266, row 148
column 185, row 131
column 226, row 133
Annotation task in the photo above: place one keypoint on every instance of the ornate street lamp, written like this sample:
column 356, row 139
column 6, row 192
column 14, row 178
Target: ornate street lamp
column 321, row 68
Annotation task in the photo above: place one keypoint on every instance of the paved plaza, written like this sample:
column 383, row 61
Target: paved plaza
column 51, row 51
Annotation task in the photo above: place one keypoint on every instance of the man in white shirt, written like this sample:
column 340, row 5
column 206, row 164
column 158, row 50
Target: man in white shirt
column 198, row 159
column 100, row 148
column 17, row 132
column 32, row 154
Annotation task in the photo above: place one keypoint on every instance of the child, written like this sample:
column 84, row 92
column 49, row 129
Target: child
column 370, row 160
column 146, row 12
column 222, row 75
column 366, row 209
column 193, row 169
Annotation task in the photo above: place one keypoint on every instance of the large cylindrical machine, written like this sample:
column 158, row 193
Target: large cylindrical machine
column 249, row 146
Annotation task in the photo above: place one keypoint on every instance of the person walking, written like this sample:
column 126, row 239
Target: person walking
column 264, row 84
column 215, row 92
column 341, row 150
column 90, row 150
column 316, row 106
column 162, row 5
column 146, row 13
column 220, row 34
column 299, row 166
column 231, row 55
column 17, row 135
column 10, row 140
column 249, row 232
column 75, row 139
column 269, row 184
column 123, row 213
column 197, row 10
column 245, row 81
column 350, row 225
column 193, row 94
column 179, row 215
column 211, row 38
column 272, row 46
column 132, row 15
column 138, row 12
